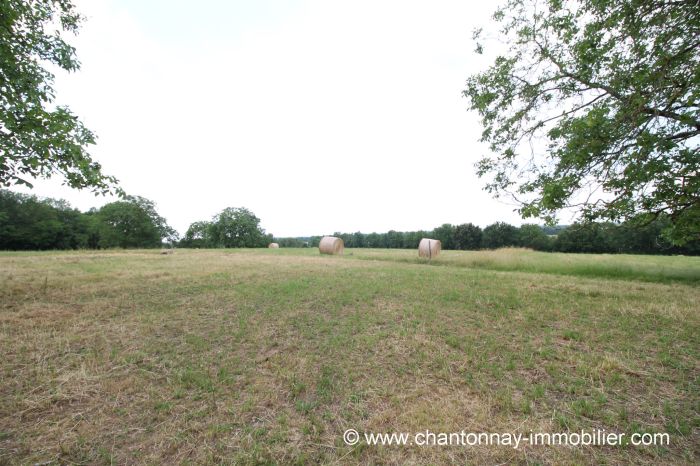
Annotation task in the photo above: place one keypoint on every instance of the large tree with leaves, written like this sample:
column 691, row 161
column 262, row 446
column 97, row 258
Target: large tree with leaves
column 132, row 223
column 166, row 232
column 38, row 139
column 237, row 227
column 467, row 236
column 593, row 104
column 198, row 235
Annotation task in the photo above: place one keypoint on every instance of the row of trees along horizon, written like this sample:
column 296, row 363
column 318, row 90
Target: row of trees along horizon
column 31, row 223
column 610, row 87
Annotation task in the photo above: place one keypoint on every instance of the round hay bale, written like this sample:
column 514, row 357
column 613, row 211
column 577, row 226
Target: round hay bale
column 273, row 245
column 331, row 245
column 429, row 248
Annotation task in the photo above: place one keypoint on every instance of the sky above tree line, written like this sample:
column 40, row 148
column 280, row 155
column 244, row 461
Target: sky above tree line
column 318, row 116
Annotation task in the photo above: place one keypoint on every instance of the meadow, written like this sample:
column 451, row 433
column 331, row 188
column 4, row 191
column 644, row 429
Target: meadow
column 269, row 356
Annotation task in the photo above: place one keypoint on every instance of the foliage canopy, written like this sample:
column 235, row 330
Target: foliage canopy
column 30, row 223
column 233, row 227
column 38, row 139
column 594, row 105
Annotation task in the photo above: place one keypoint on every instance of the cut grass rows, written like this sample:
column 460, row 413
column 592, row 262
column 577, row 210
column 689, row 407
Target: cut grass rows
column 255, row 357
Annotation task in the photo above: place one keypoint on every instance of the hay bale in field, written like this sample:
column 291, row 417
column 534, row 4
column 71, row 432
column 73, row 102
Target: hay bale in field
column 273, row 245
column 429, row 248
column 166, row 251
column 331, row 245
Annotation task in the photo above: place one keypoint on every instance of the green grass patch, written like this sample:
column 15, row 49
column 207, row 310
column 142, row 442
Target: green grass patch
column 257, row 356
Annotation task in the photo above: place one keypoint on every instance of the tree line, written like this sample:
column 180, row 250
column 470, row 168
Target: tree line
column 590, row 237
column 31, row 223
column 612, row 85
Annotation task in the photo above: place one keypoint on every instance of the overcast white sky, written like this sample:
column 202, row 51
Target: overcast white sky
column 319, row 116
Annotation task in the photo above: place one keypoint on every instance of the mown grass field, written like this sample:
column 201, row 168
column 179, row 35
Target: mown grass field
column 268, row 356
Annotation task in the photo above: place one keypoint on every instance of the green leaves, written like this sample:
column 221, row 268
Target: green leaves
column 595, row 105
column 232, row 228
column 132, row 223
column 36, row 139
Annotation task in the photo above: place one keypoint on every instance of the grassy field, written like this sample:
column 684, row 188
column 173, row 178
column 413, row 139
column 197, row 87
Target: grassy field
column 268, row 356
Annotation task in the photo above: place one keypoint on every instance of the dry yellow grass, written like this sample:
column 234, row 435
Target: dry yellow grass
column 264, row 356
